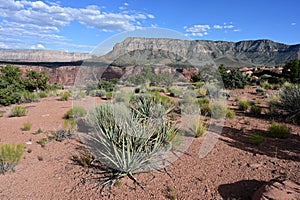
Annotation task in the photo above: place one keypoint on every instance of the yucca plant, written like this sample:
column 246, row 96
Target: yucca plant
column 10, row 155
column 288, row 101
column 127, row 141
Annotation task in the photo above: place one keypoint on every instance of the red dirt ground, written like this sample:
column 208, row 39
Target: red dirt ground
column 235, row 168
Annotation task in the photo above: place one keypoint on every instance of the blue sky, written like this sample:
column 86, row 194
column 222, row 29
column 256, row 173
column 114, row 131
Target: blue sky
column 73, row 25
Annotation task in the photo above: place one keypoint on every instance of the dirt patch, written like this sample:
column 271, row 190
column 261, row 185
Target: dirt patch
column 235, row 167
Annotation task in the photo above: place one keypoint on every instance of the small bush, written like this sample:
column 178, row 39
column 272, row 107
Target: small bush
column 78, row 94
column 39, row 131
column 218, row 110
column 266, row 85
column 43, row 141
column 10, row 155
column 76, row 112
column 243, row 105
column 19, row 111
column 176, row 92
column 42, row 94
column 200, row 129
column 256, row 110
column 278, row 130
column 259, row 101
column 202, row 101
column 260, row 90
column 288, row 101
column 97, row 93
column 70, row 124
column 27, row 126
column 64, row 96
column 202, row 92
column 230, row 114
column 257, row 138
column 109, row 95
column 2, row 113
column 62, row 135
column 205, row 109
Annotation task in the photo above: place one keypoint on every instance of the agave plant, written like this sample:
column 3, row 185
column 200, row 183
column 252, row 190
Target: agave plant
column 128, row 141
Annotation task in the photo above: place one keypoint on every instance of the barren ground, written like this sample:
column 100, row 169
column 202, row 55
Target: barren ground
column 233, row 169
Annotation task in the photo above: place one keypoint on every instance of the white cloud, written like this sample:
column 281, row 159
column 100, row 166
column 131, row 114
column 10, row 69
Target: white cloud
column 218, row 27
column 38, row 46
column 201, row 30
column 197, row 30
column 293, row 23
column 42, row 19
column 150, row 16
column 229, row 26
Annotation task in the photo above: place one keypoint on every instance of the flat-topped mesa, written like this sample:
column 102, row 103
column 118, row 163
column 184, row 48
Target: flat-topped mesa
column 240, row 54
column 19, row 55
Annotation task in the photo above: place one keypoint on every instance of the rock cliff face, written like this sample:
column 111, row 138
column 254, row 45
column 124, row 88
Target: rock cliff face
column 41, row 56
column 180, row 55
column 241, row 54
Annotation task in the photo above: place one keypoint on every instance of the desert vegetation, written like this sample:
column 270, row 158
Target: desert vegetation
column 129, row 128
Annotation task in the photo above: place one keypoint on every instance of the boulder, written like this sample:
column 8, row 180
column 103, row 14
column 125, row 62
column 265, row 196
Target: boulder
column 277, row 189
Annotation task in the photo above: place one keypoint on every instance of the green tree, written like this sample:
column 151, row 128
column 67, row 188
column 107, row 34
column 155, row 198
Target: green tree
column 36, row 80
column 291, row 70
column 234, row 78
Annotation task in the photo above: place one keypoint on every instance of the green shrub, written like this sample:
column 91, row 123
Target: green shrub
column 234, row 78
column 19, row 111
column 205, row 109
column 175, row 92
column 109, row 95
column 243, row 105
column 78, row 94
column 202, row 92
column 70, row 124
column 200, row 129
column 257, row 138
column 10, row 155
column 2, row 113
column 259, row 101
column 291, row 71
column 27, row 97
column 64, row 96
column 266, row 85
column 42, row 94
column 27, row 126
column 230, row 113
column 107, row 86
column 288, row 101
column 218, row 110
column 97, row 93
column 260, row 90
column 76, row 112
column 202, row 101
column 39, row 131
column 256, row 110
column 43, row 141
column 278, row 130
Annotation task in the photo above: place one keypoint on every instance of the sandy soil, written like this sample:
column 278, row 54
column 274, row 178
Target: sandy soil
column 235, row 168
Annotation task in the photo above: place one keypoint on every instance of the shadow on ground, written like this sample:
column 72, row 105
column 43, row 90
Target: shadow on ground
column 243, row 189
column 288, row 149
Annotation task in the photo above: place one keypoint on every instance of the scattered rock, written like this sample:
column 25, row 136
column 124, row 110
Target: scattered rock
column 276, row 189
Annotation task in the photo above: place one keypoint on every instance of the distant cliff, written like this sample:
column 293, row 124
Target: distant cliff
column 41, row 56
column 241, row 54
column 179, row 54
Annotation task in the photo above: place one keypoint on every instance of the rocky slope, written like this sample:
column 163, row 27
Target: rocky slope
column 180, row 55
column 244, row 53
